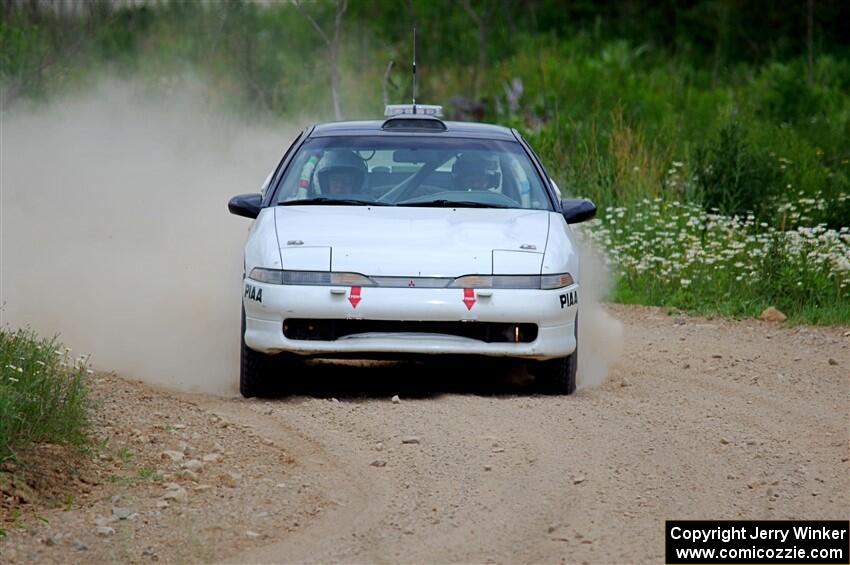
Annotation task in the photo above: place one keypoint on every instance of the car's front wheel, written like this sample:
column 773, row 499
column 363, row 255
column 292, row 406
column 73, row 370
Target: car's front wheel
column 260, row 375
column 557, row 376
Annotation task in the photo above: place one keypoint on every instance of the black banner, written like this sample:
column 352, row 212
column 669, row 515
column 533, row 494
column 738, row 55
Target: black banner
column 695, row 542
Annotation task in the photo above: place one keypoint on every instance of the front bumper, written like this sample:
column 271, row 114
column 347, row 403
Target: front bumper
column 553, row 311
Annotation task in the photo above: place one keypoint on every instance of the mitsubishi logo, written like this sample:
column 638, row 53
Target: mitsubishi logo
column 411, row 284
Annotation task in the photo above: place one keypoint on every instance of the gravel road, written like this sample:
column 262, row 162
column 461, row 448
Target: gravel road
column 701, row 418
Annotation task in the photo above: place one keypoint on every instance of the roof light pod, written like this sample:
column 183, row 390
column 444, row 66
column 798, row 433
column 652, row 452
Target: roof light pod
column 391, row 110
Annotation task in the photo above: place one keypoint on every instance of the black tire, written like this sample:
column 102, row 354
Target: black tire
column 260, row 375
column 557, row 376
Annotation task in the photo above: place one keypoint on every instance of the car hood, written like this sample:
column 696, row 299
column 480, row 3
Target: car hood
column 402, row 241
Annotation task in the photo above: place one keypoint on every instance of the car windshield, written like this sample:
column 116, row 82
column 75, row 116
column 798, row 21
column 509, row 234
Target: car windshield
column 412, row 171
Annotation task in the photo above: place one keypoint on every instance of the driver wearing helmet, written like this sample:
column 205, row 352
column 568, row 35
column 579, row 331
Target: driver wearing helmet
column 473, row 172
column 341, row 172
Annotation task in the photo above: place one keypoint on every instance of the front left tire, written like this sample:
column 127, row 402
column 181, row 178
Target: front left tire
column 260, row 375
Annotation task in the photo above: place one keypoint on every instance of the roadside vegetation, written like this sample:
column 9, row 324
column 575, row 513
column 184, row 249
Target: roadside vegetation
column 679, row 255
column 43, row 394
column 722, row 122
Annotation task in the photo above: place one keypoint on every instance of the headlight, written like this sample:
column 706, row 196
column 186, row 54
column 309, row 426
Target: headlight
column 548, row 282
column 270, row 276
column 544, row 282
column 311, row 278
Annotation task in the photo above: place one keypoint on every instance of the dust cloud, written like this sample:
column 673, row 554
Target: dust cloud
column 600, row 334
column 115, row 234
column 115, row 229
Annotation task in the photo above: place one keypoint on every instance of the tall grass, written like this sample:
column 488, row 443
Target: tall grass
column 43, row 395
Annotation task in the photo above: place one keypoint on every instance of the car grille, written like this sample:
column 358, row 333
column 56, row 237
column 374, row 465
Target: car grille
column 330, row 330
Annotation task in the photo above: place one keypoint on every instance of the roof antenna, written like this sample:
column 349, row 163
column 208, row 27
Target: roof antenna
column 414, row 69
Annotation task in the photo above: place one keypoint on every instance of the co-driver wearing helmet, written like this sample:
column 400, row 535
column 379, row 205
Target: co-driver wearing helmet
column 473, row 172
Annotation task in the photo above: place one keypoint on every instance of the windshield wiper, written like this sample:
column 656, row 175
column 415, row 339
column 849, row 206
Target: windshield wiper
column 321, row 200
column 452, row 204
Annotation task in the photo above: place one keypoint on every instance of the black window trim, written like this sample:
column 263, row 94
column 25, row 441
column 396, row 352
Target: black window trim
column 284, row 163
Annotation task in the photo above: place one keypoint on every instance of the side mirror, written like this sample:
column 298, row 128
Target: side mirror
column 576, row 210
column 247, row 205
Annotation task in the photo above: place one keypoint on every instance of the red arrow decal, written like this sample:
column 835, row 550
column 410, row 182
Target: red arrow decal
column 354, row 297
column 469, row 298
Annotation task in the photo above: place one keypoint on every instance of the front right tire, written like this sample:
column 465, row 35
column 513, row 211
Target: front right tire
column 557, row 376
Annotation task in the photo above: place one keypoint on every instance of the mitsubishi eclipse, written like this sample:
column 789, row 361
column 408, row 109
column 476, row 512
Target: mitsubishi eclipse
column 409, row 237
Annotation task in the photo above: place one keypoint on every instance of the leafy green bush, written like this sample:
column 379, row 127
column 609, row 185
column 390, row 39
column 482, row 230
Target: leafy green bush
column 21, row 48
column 783, row 95
column 734, row 176
column 43, row 395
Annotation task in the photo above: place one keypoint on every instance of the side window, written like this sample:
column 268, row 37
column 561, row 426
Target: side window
column 276, row 174
column 299, row 183
column 549, row 181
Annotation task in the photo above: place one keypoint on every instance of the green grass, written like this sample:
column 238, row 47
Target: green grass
column 677, row 255
column 124, row 455
column 150, row 474
column 43, row 395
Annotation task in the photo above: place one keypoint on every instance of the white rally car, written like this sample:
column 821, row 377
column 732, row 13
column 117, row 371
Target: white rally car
column 408, row 237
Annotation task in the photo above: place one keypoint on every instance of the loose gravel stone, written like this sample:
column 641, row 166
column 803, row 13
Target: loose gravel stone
column 173, row 456
column 230, row 480
column 193, row 465
column 771, row 314
column 80, row 546
column 178, row 494
column 121, row 513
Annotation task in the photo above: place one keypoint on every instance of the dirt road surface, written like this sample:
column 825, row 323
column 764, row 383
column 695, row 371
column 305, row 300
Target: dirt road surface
column 701, row 418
